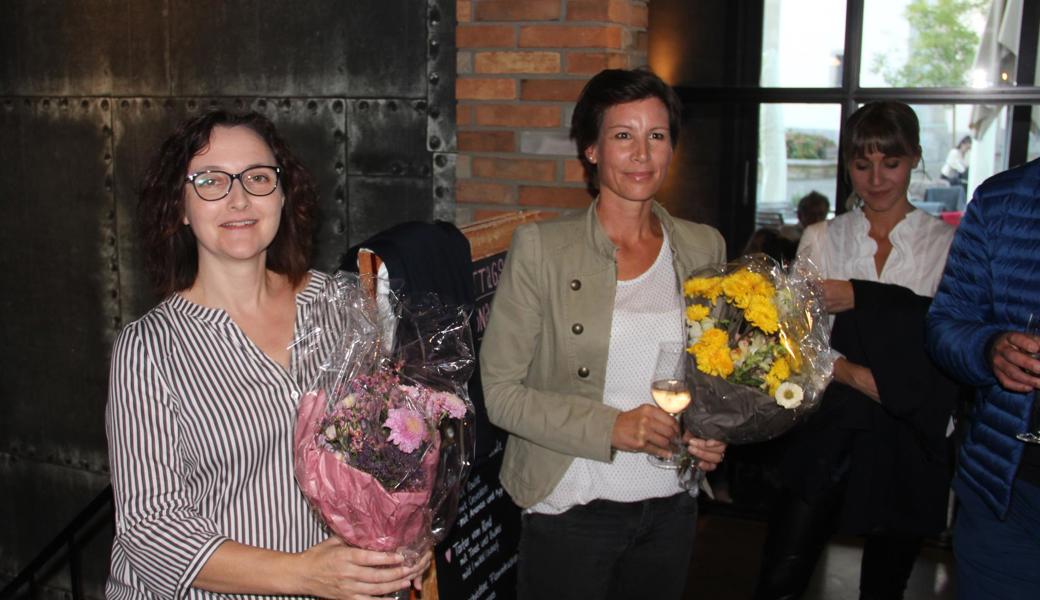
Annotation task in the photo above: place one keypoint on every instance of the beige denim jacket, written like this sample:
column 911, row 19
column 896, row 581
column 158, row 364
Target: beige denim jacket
column 543, row 358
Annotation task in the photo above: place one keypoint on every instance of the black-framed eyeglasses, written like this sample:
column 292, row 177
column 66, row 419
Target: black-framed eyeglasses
column 212, row 184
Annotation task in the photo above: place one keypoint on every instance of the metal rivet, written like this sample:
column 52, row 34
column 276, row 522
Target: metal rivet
column 583, row 372
column 435, row 142
column 577, row 328
column 104, row 105
column 363, row 105
column 337, row 106
column 391, row 105
column 575, row 284
column 440, row 160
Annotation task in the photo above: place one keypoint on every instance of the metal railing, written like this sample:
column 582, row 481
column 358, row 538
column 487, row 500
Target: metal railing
column 69, row 539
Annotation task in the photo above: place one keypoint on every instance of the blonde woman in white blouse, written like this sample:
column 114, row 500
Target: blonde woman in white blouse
column 873, row 461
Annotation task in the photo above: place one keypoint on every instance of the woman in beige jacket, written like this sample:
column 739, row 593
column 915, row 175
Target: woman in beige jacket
column 568, row 356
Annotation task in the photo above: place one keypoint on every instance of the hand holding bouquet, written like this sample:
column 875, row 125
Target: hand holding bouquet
column 383, row 445
column 759, row 342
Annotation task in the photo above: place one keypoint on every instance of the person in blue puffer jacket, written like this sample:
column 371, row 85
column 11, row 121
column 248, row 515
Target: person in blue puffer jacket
column 989, row 293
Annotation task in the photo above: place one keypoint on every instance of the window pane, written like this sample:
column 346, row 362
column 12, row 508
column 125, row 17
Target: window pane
column 954, row 159
column 923, row 43
column 799, row 51
column 1033, row 151
column 798, row 154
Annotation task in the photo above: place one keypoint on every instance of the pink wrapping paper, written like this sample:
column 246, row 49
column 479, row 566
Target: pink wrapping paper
column 354, row 504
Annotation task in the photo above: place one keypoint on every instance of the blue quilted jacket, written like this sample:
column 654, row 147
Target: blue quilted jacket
column 991, row 285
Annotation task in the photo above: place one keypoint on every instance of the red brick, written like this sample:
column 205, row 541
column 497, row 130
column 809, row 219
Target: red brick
column 517, row 115
column 573, row 172
column 463, row 11
column 590, row 63
column 560, row 90
column 560, row 36
column 613, row 11
column 485, row 36
column 563, row 197
column 514, row 168
column 485, row 89
column 518, row 10
column 517, row 62
column 638, row 17
column 463, row 114
column 641, row 41
column 481, row 192
column 486, row 141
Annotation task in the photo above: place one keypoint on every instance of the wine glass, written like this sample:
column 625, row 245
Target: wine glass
column 1032, row 437
column 671, row 392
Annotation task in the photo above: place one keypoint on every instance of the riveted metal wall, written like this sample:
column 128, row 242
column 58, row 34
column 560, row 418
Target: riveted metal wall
column 363, row 90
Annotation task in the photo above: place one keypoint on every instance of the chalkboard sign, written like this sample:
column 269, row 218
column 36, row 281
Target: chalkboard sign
column 477, row 561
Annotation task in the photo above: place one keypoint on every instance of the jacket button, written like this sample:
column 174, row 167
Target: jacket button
column 577, row 328
column 583, row 372
column 575, row 284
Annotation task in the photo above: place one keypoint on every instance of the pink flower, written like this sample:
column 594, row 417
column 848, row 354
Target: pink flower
column 449, row 403
column 407, row 428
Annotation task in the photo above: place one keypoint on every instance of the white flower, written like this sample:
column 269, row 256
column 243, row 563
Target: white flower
column 348, row 401
column 695, row 332
column 788, row 395
column 330, row 432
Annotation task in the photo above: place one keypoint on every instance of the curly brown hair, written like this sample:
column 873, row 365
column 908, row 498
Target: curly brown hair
column 171, row 251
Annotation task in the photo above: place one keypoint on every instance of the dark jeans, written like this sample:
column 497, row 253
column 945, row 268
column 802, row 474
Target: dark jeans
column 608, row 550
column 998, row 558
column 798, row 533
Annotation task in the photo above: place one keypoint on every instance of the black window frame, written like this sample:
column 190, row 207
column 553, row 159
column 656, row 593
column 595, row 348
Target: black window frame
column 746, row 95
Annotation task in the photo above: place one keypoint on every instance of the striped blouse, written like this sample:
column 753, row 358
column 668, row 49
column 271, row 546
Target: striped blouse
column 199, row 423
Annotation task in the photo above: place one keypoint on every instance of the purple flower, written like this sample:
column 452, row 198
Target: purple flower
column 407, row 428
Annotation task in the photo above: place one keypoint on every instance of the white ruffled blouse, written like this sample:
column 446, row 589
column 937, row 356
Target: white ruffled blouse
column 843, row 249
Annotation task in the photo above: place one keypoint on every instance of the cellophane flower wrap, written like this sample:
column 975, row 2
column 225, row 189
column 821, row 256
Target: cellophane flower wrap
column 759, row 348
column 384, row 438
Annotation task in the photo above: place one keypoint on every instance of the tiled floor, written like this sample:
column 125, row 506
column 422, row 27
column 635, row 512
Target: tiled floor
column 726, row 560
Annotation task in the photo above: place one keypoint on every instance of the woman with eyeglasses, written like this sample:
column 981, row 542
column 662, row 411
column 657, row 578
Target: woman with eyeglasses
column 203, row 387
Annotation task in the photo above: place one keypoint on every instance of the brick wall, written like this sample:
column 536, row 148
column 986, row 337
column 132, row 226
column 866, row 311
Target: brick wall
column 521, row 64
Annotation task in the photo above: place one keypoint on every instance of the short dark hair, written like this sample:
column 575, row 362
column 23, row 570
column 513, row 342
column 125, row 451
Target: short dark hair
column 890, row 128
column 171, row 252
column 811, row 199
column 611, row 87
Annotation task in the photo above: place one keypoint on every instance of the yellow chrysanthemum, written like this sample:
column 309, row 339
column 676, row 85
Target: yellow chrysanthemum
column 696, row 312
column 777, row 374
column 738, row 287
column 762, row 314
column 712, row 353
column 707, row 287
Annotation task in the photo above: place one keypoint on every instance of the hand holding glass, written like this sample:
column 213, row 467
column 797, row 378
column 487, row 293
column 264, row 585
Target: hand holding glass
column 671, row 392
column 1033, row 437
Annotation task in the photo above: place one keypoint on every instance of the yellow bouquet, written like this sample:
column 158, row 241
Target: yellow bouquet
column 758, row 339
